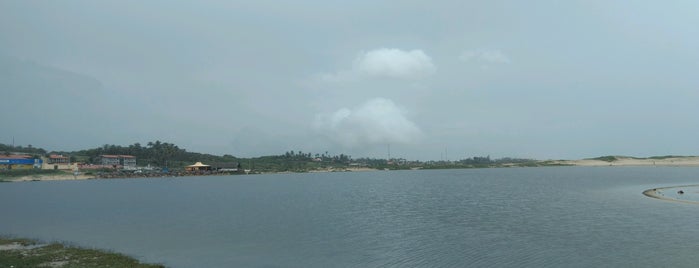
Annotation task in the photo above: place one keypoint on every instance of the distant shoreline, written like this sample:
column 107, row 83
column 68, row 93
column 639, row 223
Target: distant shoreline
column 70, row 177
column 683, row 161
column 614, row 161
column 50, row 177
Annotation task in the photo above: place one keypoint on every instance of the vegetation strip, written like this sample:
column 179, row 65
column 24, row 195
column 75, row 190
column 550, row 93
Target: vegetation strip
column 163, row 159
column 16, row 252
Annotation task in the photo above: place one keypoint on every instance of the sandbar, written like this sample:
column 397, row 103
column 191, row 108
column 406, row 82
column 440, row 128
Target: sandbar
column 668, row 193
column 680, row 161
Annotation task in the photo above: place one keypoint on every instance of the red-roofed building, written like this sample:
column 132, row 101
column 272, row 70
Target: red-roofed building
column 58, row 159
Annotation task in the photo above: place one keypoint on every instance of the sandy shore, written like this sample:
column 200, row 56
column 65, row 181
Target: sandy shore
column 342, row 169
column 688, row 161
column 61, row 177
column 65, row 177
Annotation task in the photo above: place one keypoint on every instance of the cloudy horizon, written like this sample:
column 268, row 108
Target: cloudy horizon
column 543, row 79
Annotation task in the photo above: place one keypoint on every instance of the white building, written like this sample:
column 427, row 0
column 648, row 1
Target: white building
column 125, row 161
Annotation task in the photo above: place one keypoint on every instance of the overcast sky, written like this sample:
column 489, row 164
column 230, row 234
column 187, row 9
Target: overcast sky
column 434, row 79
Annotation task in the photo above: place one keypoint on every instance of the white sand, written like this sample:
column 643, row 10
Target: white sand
column 627, row 161
column 61, row 177
column 342, row 169
column 658, row 193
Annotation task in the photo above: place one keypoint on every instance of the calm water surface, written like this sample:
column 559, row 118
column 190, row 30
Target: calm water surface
column 531, row 217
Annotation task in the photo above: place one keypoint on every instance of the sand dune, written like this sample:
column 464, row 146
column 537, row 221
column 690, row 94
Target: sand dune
column 632, row 161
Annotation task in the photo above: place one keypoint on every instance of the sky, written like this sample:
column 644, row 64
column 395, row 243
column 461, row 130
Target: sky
column 431, row 80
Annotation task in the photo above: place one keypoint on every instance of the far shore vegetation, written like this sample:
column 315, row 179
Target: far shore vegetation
column 163, row 155
column 612, row 158
column 19, row 252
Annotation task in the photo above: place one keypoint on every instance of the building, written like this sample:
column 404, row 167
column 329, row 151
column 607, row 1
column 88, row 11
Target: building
column 124, row 161
column 19, row 162
column 57, row 162
column 225, row 166
column 198, row 166
column 58, row 159
column 128, row 161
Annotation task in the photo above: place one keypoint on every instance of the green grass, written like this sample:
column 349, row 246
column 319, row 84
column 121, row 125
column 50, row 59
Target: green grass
column 541, row 164
column 608, row 158
column 33, row 254
column 665, row 157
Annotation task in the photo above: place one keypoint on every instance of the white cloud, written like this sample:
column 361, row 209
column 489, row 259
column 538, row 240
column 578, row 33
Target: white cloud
column 384, row 63
column 376, row 121
column 395, row 63
column 484, row 56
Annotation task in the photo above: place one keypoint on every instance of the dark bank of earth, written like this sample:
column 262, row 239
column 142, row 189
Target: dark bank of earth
column 28, row 253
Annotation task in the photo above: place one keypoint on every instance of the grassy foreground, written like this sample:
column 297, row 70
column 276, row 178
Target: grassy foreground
column 28, row 253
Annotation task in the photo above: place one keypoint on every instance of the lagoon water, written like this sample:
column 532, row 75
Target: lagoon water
column 516, row 217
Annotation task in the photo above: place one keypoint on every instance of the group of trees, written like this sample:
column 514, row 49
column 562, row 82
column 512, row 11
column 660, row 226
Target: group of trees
column 8, row 149
column 156, row 153
column 476, row 160
column 325, row 157
column 164, row 154
column 296, row 161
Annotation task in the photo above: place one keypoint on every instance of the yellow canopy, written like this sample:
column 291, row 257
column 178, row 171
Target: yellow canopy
column 198, row 164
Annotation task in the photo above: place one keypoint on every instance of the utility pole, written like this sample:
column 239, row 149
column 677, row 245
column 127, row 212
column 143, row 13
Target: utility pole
column 389, row 152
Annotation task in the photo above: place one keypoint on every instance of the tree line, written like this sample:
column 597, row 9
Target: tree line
column 164, row 154
column 157, row 153
column 29, row 149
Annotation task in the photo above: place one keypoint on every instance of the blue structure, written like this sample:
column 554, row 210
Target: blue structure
column 19, row 163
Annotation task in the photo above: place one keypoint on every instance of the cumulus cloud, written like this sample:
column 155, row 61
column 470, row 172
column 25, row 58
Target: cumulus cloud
column 484, row 56
column 385, row 63
column 376, row 121
column 395, row 63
